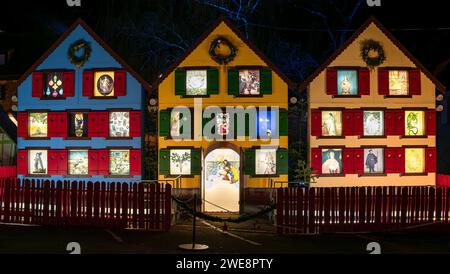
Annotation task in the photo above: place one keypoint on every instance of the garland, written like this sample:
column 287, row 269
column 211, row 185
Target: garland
column 372, row 53
column 79, row 61
column 222, row 59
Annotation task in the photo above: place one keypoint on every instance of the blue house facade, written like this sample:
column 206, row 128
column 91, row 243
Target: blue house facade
column 80, row 118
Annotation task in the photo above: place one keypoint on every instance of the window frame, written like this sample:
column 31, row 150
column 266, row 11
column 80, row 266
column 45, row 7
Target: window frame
column 71, row 149
column 424, row 173
column 110, row 111
column 383, row 111
column 384, row 173
column 28, row 150
column 347, row 68
column 28, row 124
column 341, row 110
column 424, row 126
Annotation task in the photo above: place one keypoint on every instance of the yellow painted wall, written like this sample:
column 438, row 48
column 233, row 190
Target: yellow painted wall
column 318, row 98
column 200, row 58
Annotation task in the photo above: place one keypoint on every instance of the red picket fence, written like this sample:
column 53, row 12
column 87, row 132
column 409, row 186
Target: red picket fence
column 331, row 210
column 104, row 205
column 8, row 171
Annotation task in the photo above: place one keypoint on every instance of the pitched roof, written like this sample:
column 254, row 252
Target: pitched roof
column 391, row 37
column 240, row 35
column 90, row 31
column 7, row 125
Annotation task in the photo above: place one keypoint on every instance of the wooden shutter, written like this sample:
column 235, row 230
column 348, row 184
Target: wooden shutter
column 358, row 122
column 206, row 120
column 62, row 162
column 180, row 82
column 37, row 85
column 358, row 161
column 69, row 83
column 164, row 122
column 135, row 162
column 283, row 122
column 331, row 82
column 63, row 126
column 383, row 81
column 233, row 82
column 389, row 160
column 52, row 124
column 400, row 122
column 348, row 161
column 53, row 162
column 22, row 124
column 430, row 122
column 400, row 160
column 250, row 158
column 103, row 162
column 430, row 159
column 265, row 75
column 364, row 81
column 389, row 122
column 316, row 122
column 282, row 161
column 103, row 124
column 22, row 162
column 415, row 85
column 164, row 162
column 93, row 162
column 196, row 161
column 348, row 122
column 316, row 160
column 88, row 83
column 212, row 84
column 92, row 124
column 120, row 83
column 135, row 124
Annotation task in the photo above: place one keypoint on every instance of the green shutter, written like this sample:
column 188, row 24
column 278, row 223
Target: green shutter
column 164, row 122
column 233, row 82
column 283, row 122
column 265, row 75
column 164, row 162
column 196, row 161
column 247, row 124
column 180, row 82
column 186, row 131
column 249, row 162
column 212, row 81
column 282, row 161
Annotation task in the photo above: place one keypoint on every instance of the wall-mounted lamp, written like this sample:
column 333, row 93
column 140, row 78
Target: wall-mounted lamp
column 293, row 100
column 439, row 108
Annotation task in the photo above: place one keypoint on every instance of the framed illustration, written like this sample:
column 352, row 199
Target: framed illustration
column 347, row 82
column 373, row 161
column 331, row 161
column 37, row 124
column 175, row 123
column 104, row 84
column 119, row 162
column 266, row 162
column 414, row 123
column 398, row 82
column 249, row 82
column 119, row 124
column 78, row 162
column 53, row 85
column 373, row 123
column 78, row 124
column 223, row 123
column 180, row 162
column 37, row 162
column 196, row 82
column 414, row 160
column 331, row 123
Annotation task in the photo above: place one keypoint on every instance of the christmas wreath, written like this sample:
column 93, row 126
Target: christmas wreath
column 372, row 53
column 75, row 56
column 222, row 59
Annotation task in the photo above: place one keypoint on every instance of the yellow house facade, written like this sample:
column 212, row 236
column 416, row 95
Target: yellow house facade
column 372, row 126
column 223, row 122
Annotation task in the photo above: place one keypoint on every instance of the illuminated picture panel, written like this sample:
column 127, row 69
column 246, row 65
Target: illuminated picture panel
column 175, row 123
column 249, row 82
column 78, row 162
column 53, row 85
column 347, row 82
column 196, row 82
column 119, row 124
column 104, row 84
column 119, row 162
column 266, row 161
column 414, row 160
column 180, row 162
column 373, row 123
column 37, row 162
column 331, row 161
column 223, row 123
column 37, row 124
column 398, row 82
column 78, row 126
column 331, row 123
column 373, row 161
column 414, row 123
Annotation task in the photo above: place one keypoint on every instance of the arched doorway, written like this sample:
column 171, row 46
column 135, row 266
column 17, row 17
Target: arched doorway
column 221, row 180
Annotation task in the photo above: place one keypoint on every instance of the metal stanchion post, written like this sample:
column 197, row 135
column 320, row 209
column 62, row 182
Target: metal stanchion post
column 193, row 246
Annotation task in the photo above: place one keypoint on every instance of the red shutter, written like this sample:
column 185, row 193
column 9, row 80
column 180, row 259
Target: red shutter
column 69, row 83
column 415, row 85
column 93, row 162
column 52, row 124
column 400, row 122
column 348, row 127
column 22, row 162
column 331, row 80
column 103, row 162
column 316, row 122
column 358, row 122
column 358, row 161
column 316, row 160
column 62, row 124
column 120, row 83
column 364, row 81
column 88, row 83
column 62, row 162
column 389, row 160
column 135, row 162
column 22, row 124
column 430, row 160
column 92, row 124
column 135, row 124
column 400, row 160
column 38, row 84
column 348, row 161
column 53, row 160
column 103, row 124
column 383, row 82
column 430, row 124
